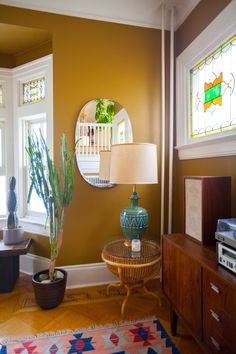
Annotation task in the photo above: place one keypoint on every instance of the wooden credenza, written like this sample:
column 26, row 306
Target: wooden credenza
column 200, row 292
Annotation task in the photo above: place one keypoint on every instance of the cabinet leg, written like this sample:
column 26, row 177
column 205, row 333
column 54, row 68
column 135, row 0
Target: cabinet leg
column 173, row 322
column 9, row 273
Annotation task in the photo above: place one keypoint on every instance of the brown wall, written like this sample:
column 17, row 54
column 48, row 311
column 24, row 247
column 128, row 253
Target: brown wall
column 7, row 61
column 201, row 16
column 96, row 59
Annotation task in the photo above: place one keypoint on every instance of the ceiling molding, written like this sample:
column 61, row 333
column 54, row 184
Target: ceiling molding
column 130, row 12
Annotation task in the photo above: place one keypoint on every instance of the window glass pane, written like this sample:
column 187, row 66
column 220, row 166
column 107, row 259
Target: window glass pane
column 1, row 147
column 34, row 90
column 121, row 132
column 213, row 93
column 1, row 95
column 36, row 204
column 3, row 208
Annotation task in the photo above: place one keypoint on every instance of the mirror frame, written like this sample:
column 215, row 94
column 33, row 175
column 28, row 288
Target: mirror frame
column 100, row 124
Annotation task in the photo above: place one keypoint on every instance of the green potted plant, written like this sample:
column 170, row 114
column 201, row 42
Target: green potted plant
column 105, row 110
column 54, row 185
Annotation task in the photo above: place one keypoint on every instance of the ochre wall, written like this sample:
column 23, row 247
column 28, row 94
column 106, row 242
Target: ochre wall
column 201, row 16
column 11, row 61
column 33, row 53
column 96, row 59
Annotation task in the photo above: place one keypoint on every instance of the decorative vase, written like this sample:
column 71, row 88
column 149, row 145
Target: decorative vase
column 49, row 295
column 13, row 236
column 134, row 220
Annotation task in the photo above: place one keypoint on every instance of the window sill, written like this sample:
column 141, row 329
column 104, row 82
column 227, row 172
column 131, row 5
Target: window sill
column 29, row 225
column 211, row 148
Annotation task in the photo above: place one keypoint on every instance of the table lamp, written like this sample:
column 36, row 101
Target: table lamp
column 134, row 163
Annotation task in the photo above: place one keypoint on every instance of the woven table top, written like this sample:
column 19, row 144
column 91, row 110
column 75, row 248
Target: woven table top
column 121, row 251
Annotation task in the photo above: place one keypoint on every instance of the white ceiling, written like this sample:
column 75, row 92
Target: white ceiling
column 144, row 13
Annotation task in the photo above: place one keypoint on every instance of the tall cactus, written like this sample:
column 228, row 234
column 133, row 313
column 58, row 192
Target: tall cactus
column 53, row 185
column 12, row 220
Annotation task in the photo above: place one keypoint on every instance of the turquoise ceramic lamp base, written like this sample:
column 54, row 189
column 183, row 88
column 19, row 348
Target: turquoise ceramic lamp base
column 134, row 220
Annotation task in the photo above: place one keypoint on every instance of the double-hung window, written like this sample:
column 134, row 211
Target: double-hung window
column 2, row 170
column 206, row 91
column 34, row 126
column 4, row 112
column 28, row 111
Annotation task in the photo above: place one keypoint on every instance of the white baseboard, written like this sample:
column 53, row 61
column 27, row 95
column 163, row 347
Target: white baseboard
column 79, row 276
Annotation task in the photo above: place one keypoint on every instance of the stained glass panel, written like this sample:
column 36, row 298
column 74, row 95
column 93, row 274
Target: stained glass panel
column 34, row 90
column 213, row 93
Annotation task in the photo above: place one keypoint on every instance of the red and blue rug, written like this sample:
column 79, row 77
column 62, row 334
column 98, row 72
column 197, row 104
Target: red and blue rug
column 144, row 337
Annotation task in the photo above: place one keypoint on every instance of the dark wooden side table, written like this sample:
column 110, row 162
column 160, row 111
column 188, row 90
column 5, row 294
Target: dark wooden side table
column 133, row 269
column 9, row 263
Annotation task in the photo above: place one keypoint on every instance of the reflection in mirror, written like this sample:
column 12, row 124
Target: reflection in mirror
column 101, row 123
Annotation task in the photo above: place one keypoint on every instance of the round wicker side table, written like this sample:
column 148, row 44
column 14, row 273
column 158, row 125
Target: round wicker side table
column 134, row 269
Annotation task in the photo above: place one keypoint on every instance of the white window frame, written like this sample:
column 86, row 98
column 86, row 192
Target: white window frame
column 24, row 128
column 3, row 130
column 222, row 144
column 6, row 117
column 16, row 117
column 3, row 139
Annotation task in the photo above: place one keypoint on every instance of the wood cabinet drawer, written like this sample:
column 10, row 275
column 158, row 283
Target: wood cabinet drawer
column 218, row 293
column 219, row 322
column 216, row 343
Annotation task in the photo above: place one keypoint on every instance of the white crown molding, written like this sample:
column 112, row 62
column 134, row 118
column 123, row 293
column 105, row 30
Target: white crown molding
column 44, row 62
column 180, row 15
column 129, row 12
column 79, row 276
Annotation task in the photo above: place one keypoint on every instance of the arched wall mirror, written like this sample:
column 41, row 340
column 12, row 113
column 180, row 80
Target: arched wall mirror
column 101, row 123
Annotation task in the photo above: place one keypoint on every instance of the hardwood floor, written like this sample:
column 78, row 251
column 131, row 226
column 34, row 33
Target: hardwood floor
column 83, row 308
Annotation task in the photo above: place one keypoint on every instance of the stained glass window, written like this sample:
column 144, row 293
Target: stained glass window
column 34, row 90
column 213, row 93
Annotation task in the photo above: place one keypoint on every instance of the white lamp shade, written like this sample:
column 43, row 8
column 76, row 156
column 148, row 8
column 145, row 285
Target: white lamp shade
column 104, row 166
column 134, row 163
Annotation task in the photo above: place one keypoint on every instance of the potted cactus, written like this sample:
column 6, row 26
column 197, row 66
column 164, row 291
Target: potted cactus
column 13, row 233
column 54, row 185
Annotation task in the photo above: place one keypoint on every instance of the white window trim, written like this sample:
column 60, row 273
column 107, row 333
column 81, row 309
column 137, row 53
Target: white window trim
column 224, row 144
column 23, row 129
column 13, row 116
column 3, row 129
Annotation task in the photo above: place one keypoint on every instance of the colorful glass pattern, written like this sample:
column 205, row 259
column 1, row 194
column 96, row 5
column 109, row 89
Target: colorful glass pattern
column 213, row 94
column 34, row 90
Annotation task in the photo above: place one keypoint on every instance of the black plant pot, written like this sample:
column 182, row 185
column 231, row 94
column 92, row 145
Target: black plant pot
column 49, row 295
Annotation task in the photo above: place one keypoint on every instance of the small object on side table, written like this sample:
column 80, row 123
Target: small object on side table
column 9, row 263
column 136, row 245
column 133, row 271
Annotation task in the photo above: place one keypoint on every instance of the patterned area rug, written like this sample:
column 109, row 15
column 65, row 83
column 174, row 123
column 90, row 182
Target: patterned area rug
column 145, row 337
